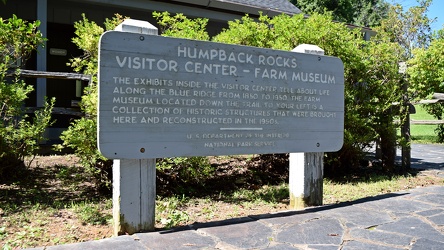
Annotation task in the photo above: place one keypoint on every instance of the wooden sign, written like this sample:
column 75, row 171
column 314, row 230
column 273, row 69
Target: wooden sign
column 165, row 97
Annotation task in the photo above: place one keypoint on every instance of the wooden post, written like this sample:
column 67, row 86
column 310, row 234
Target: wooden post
column 134, row 195
column 306, row 169
column 134, row 181
column 405, row 131
column 405, row 126
column 406, row 149
column 306, row 179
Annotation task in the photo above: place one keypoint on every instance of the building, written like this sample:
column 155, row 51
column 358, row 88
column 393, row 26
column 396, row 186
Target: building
column 58, row 16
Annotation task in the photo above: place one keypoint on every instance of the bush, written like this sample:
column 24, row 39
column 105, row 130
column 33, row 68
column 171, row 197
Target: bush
column 188, row 169
column 370, row 71
column 20, row 134
column 182, row 27
column 81, row 136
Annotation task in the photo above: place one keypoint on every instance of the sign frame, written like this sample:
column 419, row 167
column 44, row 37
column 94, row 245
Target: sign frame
column 165, row 97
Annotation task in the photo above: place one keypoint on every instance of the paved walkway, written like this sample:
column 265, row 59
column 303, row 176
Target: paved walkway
column 427, row 156
column 412, row 219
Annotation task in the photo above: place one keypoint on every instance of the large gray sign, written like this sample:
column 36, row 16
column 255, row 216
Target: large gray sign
column 164, row 97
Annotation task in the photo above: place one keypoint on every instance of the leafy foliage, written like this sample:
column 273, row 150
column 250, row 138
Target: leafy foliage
column 251, row 33
column 401, row 32
column 20, row 134
column 410, row 28
column 182, row 27
column 426, row 73
column 18, row 39
column 421, row 50
column 371, row 78
column 367, row 13
column 426, row 69
column 188, row 169
column 81, row 135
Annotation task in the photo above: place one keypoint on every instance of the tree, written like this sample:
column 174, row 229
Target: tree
column 367, row 13
column 410, row 28
column 20, row 134
column 426, row 76
column 384, row 83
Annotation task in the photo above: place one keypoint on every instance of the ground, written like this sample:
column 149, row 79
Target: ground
column 51, row 202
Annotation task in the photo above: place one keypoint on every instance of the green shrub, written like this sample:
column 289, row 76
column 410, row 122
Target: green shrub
column 371, row 75
column 182, row 27
column 188, row 169
column 81, row 135
column 20, row 133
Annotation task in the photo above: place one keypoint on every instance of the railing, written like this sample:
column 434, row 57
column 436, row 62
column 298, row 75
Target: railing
column 426, row 122
column 436, row 98
column 54, row 75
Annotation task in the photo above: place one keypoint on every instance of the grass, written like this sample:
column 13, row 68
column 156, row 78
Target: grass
column 375, row 184
column 91, row 212
column 40, row 224
column 422, row 133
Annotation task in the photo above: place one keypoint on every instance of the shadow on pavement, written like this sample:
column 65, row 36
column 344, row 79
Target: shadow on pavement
column 309, row 210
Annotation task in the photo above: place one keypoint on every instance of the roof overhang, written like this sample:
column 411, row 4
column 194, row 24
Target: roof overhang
column 236, row 7
column 213, row 9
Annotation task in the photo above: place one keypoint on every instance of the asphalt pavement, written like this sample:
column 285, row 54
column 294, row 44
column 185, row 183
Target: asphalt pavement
column 411, row 219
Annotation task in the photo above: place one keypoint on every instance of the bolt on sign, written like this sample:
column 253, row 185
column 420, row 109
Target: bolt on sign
column 165, row 97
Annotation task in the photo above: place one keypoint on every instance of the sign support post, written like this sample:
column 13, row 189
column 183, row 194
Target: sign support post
column 134, row 180
column 134, row 195
column 306, row 179
column 306, row 170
